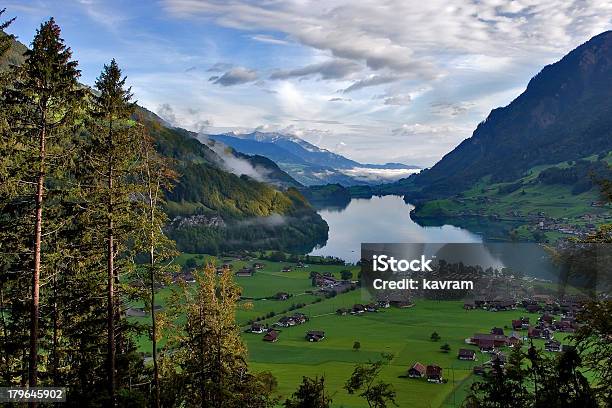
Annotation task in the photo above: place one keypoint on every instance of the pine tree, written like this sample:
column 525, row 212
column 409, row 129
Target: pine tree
column 156, row 177
column 205, row 365
column 112, row 156
column 43, row 100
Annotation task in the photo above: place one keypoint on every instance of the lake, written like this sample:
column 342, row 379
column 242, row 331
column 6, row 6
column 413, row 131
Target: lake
column 378, row 220
column 387, row 220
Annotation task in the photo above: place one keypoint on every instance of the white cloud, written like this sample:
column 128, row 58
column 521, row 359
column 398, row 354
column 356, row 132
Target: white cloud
column 235, row 76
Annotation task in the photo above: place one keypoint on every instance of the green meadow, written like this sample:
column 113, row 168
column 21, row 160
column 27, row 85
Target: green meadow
column 405, row 333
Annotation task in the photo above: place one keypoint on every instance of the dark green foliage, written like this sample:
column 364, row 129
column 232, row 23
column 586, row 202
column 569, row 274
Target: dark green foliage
column 377, row 394
column 310, row 394
column 582, row 175
column 445, row 348
column 435, row 336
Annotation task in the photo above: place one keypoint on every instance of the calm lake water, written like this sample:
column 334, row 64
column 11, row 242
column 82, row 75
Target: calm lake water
column 379, row 220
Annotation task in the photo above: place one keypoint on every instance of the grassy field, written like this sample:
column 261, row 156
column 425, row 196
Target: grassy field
column 405, row 333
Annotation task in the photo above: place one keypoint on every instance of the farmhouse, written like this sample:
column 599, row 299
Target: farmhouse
column 258, row 265
column 271, row 336
column 498, row 340
column 517, row 324
column 286, row 321
column 417, row 370
column 245, row 272
column 465, row 354
column 486, row 346
column 315, row 335
column 358, row 309
column 257, row 328
column 433, row 373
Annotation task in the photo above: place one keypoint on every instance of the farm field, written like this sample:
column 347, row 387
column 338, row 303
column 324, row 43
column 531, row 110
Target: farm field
column 405, row 333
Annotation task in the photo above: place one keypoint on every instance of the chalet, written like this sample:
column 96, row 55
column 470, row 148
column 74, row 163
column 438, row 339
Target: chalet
column 186, row 276
column 466, row 354
column 497, row 331
column 546, row 318
column 469, row 305
column 281, row 296
column 371, row 307
column 384, row 304
column 486, row 346
column 532, row 308
column 257, row 328
column 417, row 370
column 245, row 272
column 315, row 335
column 552, row 345
column 498, row 340
column 299, row 318
column 514, row 340
column 525, row 322
column 358, row 309
column 271, row 336
column 517, row 324
column 258, row 265
column 286, row 321
column 322, row 280
column 534, row 333
column 433, row 373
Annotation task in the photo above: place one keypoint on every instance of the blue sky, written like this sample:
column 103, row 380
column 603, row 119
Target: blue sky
column 375, row 80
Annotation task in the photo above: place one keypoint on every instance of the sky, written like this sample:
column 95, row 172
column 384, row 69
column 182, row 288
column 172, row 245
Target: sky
column 375, row 80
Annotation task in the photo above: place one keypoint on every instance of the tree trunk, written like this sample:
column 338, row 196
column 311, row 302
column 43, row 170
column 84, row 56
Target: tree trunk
column 153, row 324
column 110, row 278
column 34, row 311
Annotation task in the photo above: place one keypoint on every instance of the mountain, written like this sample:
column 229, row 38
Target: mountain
column 540, row 159
column 224, row 200
column 564, row 114
column 309, row 164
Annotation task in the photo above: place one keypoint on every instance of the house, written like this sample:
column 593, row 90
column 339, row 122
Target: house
column 245, row 272
column 258, row 265
column 315, row 335
column 384, row 304
column 486, row 346
column 525, row 322
column 433, row 373
column 371, row 307
column 342, row 312
column 271, row 336
column 466, row 354
column 497, row 339
column 497, row 331
column 517, row 324
column 469, row 305
column 286, row 269
column 534, row 333
column 257, row 328
column 358, row 309
column 553, row 346
column 546, row 318
column 417, row 370
column 299, row 318
column 286, row 321
column 514, row 339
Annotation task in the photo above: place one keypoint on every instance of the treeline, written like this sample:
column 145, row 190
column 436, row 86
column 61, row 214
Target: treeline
column 82, row 191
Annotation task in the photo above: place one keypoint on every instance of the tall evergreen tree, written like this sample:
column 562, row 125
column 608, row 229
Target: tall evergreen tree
column 112, row 155
column 156, row 177
column 45, row 99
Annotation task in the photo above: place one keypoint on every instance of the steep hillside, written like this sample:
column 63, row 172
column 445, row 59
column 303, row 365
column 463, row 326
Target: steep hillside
column 224, row 200
column 564, row 114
